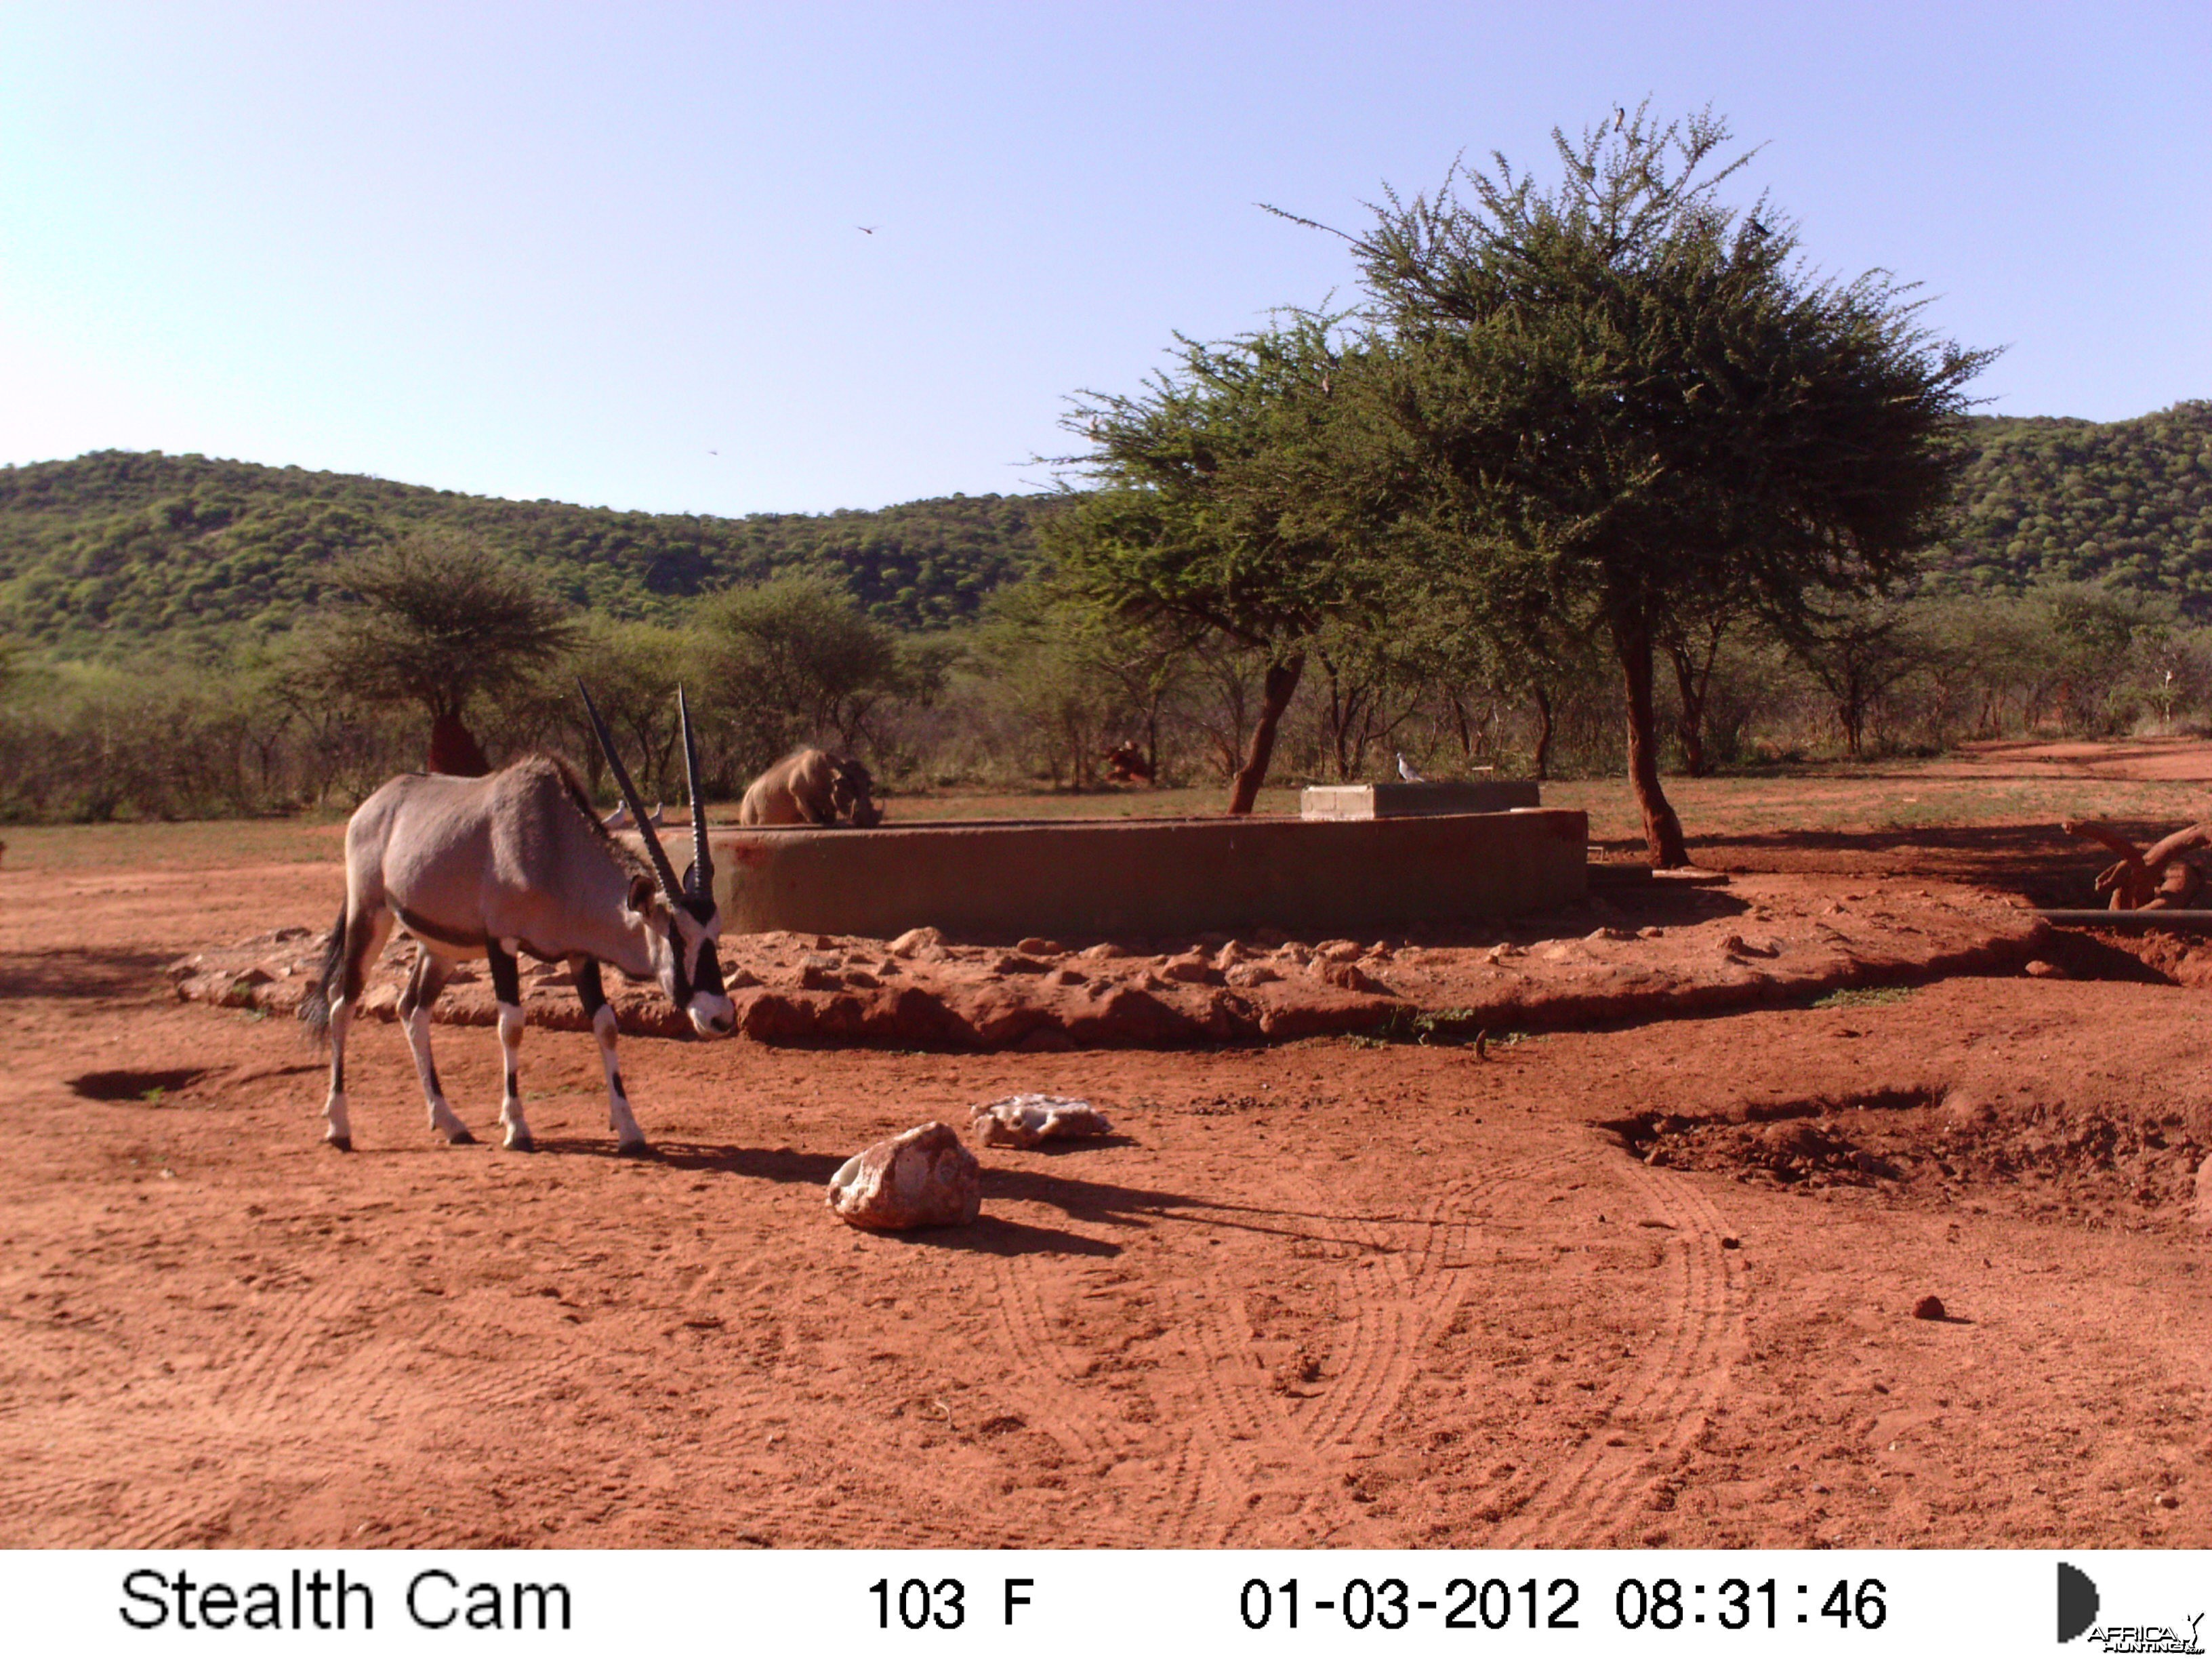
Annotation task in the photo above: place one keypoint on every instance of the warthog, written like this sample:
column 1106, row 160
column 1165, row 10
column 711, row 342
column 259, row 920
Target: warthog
column 811, row 786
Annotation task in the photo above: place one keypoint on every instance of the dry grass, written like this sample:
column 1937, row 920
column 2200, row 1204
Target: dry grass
column 1902, row 796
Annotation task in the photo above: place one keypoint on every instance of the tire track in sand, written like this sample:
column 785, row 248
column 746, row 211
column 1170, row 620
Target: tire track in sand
column 1404, row 1278
column 1594, row 1497
column 1047, row 1382
column 1250, row 1465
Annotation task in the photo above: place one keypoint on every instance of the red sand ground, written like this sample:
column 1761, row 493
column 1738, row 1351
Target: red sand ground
column 1646, row 1284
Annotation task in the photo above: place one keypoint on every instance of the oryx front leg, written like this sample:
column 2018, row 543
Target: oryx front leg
column 507, row 986
column 629, row 1137
column 422, row 988
column 360, row 936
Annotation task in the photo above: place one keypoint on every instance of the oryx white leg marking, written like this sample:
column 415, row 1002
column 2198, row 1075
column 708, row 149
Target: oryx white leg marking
column 339, row 1127
column 422, row 988
column 627, row 1135
column 507, row 986
column 511, row 1022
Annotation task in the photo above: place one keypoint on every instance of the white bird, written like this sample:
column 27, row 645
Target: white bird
column 1620, row 118
column 1406, row 771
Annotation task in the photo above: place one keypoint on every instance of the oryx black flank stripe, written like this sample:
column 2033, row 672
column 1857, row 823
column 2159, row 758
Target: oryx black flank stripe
column 430, row 930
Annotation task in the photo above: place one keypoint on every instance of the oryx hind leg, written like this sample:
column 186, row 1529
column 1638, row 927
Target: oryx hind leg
column 507, row 986
column 422, row 988
column 361, row 936
column 628, row 1137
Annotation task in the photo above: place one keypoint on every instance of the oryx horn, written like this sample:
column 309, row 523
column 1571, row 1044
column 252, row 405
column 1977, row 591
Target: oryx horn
column 701, row 876
column 646, row 833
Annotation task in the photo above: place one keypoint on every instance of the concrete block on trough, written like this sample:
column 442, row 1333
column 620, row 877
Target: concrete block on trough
column 1411, row 800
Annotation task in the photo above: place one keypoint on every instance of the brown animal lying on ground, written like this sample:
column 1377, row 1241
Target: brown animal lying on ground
column 809, row 786
column 1126, row 763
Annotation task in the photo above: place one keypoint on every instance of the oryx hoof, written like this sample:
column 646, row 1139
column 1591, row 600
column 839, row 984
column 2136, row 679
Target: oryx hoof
column 634, row 1149
column 459, row 1137
column 338, row 1142
column 515, row 1143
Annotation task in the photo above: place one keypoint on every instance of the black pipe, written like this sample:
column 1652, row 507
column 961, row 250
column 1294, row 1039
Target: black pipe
column 2172, row 921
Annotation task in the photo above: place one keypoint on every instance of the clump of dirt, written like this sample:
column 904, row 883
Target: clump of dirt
column 1926, row 1143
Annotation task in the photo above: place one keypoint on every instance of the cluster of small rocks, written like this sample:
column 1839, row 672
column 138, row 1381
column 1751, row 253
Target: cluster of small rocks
column 1602, row 960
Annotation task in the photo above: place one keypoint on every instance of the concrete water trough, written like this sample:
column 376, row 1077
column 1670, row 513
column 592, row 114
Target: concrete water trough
column 1149, row 877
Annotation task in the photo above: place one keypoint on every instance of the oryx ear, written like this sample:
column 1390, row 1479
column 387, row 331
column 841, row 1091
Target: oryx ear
column 640, row 895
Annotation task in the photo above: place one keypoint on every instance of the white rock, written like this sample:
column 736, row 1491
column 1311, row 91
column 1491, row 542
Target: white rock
column 922, row 1178
column 1026, row 1120
column 915, row 940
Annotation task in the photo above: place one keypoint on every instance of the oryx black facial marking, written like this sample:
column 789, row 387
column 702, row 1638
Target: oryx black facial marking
column 518, row 863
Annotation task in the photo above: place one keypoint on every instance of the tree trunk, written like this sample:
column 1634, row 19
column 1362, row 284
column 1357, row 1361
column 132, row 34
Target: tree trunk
column 1693, row 683
column 1275, row 694
column 1543, row 732
column 1663, row 831
column 453, row 749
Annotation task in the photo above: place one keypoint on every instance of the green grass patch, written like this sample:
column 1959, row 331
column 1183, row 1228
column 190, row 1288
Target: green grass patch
column 1872, row 996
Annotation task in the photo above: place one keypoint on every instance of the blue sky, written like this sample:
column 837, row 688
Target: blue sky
column 568, row 252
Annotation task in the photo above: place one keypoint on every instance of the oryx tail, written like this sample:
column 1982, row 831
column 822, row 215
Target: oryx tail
column 315, row 1007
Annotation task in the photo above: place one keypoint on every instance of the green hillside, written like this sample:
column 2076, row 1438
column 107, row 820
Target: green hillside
column 2077, row 500
column 114, row 548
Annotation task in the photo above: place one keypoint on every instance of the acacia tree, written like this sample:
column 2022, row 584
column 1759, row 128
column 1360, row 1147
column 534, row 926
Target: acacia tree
column 634, row 670
column 442, row 619
column 1206, row 512
column 789, row 661
column 1625, row 392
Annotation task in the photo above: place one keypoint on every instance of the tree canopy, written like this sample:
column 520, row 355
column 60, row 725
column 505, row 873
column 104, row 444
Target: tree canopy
column 788, row 661
column 440, row 620
column 1622, row 396
column 1207, row 508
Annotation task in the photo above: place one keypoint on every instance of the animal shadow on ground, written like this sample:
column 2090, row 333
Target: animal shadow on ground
column 78, row 972
column 148, row 1086
column 1097, row 1203
column 780, row 1164
column 990, row 1235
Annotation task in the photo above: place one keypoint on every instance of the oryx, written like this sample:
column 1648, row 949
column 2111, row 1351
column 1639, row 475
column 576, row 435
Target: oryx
column 517, row 864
